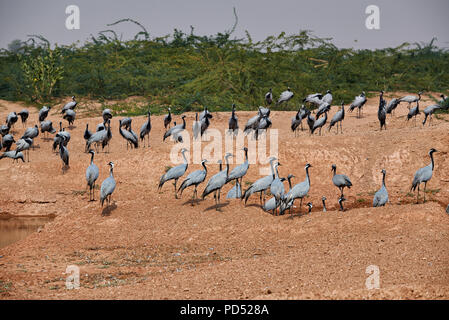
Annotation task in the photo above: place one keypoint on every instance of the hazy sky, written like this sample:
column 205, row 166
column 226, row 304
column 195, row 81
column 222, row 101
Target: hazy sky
column 343, row 20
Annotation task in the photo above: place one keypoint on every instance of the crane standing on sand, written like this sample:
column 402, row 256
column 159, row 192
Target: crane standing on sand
column 145, row 130
column 423, row 175
column 92, row 174
column 428, row 112
column 300, row 190
column 260, row 185
column 175, row 173
column 216, row 182
column 233, row 122
column 338, row 118
column 277, row 188
column 381, row 196
column 167, row 119
column 359, row 102
column 70, row 105
column 382, row 112
column 410, row 99
column 194, row 179
column 340, row 180
column 108, row 186
column 24, row 116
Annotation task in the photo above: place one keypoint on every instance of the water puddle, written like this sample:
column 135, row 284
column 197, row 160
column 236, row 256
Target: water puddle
column 13, row 229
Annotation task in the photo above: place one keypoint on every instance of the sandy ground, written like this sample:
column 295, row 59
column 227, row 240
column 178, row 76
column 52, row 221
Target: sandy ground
column 148, row 245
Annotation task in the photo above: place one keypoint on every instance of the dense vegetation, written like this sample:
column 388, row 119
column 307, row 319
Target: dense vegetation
column 188, row 71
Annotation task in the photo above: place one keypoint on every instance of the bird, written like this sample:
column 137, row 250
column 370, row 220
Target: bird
column 314, row 99
column 105, row 141
column 319, row 123
column 145, row 130
column 126, row 122
column 11, row 119
column 4, row 129
column 233, row 121
column 92, row 174
column 310, row 205
column 340, row 180
column 194, row 179
column 175, row 128
column 443, row 101
column 216, row 182
column 391, row 106
column 43, row 113
column 24, row 116
column 239, row 171
column 264, row 112
column 260, row 185
column 204, row 113
column 253, row 123
column 423, row 174
column 310, row 122
column 15, row 156
column 359, row 102
column 323, row 107
column 196, row 127
column 269, row 97
column 204, row 123
column 7, row 141
column 338, row 118
column 70, row 105
column 327, row 97
column 108, row 186
column 323, row 199
column 277, row 187
column 107, row 115
column 47, row 127
column 428, row 112
column 263, row 125
column 285, row 96
column 131, row 140
column 70, row 115
column 296, row 122
column 340, row 202
column 167, row 119
column 64, row 155
column 235, row 192
column 59, row 136
column 410, row 99
column 271, row 204
column 31, row 132
column 286, row 204
column 101, row 126
column 300, row 190
column 87, row 135
column 382, row 112
column 24, row 144
column 381, row 196
column 175, row 173
column 413, row 112
column 97, row 138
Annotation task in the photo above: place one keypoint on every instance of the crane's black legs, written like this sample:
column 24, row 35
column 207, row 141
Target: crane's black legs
column 425, row 185
column 417, row 197
column 176, row 193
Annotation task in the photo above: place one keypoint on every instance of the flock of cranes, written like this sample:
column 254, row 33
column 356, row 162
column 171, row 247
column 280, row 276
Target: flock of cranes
column 281, row 199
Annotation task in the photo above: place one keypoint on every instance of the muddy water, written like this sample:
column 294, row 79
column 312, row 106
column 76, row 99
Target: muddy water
column 15, row 229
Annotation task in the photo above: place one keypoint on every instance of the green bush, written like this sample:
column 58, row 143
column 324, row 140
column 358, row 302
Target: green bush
column 187, row 71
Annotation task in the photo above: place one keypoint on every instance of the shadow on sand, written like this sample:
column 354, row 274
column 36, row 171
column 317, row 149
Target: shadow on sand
column 108, row 209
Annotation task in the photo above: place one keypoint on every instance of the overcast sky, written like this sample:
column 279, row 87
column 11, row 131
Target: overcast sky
column 343, row 20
